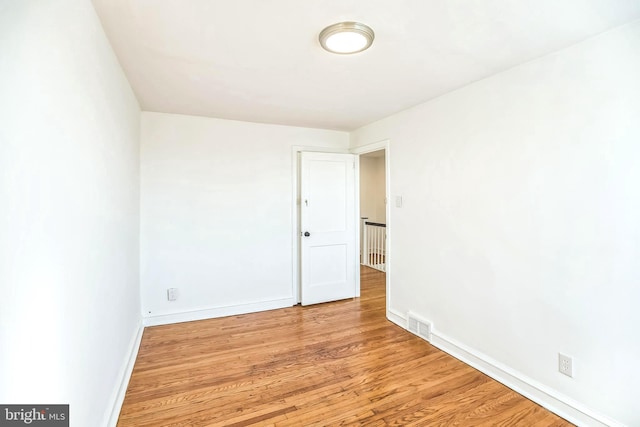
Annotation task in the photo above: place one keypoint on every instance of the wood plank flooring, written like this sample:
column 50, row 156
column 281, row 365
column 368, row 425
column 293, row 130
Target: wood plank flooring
column 333, row 364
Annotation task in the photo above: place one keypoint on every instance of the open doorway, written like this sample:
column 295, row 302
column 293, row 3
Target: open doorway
column 375, row 232
column 381, row 156
column 373, row 210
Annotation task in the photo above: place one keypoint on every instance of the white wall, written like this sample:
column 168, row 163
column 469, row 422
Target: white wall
column 372, row 188
column 519, row 236
column 216, row 218
column 69, row 161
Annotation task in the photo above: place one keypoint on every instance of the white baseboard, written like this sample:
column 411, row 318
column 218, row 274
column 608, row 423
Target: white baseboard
column 211, row 313
column 397, row 318
column 125, row 376
column 563, row 406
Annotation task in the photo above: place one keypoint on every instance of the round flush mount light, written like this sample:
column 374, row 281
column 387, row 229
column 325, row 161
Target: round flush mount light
column 346, row 37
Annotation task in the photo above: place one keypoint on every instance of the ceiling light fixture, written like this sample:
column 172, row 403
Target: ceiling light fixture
column 346, row 37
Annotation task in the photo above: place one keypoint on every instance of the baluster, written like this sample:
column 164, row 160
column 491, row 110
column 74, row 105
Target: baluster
column 375, row 247
column 378, row 247
column 365, row 244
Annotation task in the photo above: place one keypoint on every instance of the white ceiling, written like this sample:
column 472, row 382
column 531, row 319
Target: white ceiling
column 260, row 60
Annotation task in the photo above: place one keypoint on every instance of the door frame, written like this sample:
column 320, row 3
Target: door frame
column 385, row 145
column 295, row 211
column 295, row 214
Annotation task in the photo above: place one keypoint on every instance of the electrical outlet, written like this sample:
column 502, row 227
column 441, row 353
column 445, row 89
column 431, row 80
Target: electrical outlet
column 172, row 294
column 565, row 365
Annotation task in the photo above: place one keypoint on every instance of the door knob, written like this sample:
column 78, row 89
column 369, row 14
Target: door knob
column 307, row 234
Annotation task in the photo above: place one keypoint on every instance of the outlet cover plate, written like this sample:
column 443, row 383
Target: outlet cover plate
column 565, row 365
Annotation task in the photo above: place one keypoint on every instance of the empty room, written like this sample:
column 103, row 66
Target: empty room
column 296, row 213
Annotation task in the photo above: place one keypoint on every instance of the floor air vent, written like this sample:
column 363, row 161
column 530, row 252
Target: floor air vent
column 419, row 326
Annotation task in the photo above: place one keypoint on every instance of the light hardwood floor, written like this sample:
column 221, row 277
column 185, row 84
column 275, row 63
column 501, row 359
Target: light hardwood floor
column 339, row 363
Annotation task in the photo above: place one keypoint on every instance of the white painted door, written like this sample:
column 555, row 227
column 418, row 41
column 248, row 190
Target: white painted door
column 328, row 227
